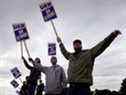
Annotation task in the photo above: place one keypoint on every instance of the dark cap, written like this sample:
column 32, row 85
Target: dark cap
column 77, row 41
column 53, row 57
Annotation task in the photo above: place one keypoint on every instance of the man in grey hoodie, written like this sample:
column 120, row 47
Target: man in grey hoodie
column 55, row 78
column 81, row 63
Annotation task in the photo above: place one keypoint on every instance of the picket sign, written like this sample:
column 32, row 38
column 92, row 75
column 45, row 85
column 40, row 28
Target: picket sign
column 52, row 49
column 15, row 72
column 14, row 83
column 20, row 31
column 21, row 35
column 48, row 13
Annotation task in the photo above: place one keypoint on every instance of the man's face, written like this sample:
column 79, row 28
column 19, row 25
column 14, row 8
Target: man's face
column 53, row 60
column 37, row 61
column 77, row 47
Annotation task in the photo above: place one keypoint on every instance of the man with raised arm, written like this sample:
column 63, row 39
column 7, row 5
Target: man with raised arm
column 35, row 74
column 81, row 63
column 55, row 78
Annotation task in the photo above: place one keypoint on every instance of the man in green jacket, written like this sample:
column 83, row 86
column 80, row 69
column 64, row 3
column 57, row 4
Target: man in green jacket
column 81, row 63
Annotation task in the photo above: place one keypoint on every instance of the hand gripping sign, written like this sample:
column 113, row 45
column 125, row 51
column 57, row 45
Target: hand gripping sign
column 16, row 73
column 51, row 49
column 20, row 31
column 48, row 11
column 14, row 83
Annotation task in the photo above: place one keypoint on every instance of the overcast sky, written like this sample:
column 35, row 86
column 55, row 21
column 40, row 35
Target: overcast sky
column 89, row 20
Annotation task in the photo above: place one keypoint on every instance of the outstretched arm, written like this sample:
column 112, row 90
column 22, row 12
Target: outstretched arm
column 41, row 68
column 99, row 48
column 26, row 63
column 65, row 53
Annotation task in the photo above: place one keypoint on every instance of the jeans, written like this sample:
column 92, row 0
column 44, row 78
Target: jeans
column 53, row 94
column 79, row 89
column 31, row 89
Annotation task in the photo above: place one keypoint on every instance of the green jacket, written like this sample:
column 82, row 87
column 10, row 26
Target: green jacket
column 81, row 65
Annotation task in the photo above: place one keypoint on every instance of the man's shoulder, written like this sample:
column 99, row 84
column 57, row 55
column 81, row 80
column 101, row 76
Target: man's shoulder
column 85, row 50
column 59, row 67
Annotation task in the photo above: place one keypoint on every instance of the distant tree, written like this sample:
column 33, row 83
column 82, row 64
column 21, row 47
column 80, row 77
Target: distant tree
column 92, row 92
column 122, row 90
column 103, row 92
column 115, row 93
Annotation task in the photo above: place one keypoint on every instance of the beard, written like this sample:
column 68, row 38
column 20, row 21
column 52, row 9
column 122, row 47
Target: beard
column 54, row 63
column 77, row 50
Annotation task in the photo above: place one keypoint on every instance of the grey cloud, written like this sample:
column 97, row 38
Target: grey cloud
column 89, row 20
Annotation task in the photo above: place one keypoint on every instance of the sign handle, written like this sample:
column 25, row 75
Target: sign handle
column 26, row 48
column 21, row 45
column 20, row 80
column 54, row 28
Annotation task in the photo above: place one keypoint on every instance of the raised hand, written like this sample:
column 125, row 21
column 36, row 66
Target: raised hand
column 59, row 39
column 117, row 32
column 23, row 57
column 29, row 59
